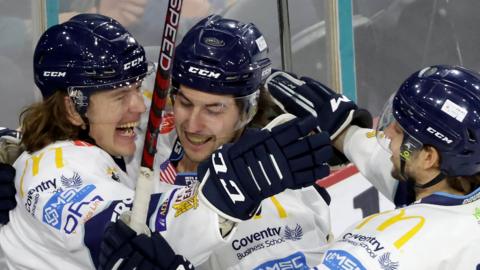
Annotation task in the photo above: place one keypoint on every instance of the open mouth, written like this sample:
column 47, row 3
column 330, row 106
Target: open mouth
column 197, row 139
column 127, row 129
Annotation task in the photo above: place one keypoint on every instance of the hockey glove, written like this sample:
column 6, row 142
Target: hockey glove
column 302, row 97
column 263, row 163
column 10, row 147
column 7, row 191
column 123, row 249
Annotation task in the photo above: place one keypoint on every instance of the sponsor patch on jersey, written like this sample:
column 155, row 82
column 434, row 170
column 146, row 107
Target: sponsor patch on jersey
column 186, row 200
column 162, row 211
column 167, row 123
column 113, row 173
column 295, row 261
column 71, row 182
column 168, row 172
column 293, row 234
column 269, row 237
column 48, row 186
column 369, row 243
column 341, row 260
column 186, row 179
column 32, row 201
column 386, row 263
column 52, row 211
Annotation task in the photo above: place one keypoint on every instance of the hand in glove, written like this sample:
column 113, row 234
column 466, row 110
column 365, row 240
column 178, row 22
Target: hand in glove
column 263, row 163
column 9, row 151
column 7, row 191
column 303, row 97
column 123, row 249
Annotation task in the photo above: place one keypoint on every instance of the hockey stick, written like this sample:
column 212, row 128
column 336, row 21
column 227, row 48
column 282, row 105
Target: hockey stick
column 160, row 91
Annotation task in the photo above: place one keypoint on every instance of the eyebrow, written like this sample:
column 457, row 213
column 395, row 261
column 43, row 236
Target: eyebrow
column 214, row 104
column 119, row 92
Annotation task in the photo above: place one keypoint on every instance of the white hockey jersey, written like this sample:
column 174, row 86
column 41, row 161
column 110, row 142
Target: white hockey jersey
column 69, row 190
column 441, row 231
column 287, row 233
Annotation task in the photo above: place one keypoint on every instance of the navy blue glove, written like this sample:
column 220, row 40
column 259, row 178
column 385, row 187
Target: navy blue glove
column 123, row 249
column 263, row 163
column 7, row 191
column 305, row 96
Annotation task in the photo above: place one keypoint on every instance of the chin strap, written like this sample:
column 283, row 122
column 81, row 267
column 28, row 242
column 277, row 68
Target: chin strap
column 437, row 179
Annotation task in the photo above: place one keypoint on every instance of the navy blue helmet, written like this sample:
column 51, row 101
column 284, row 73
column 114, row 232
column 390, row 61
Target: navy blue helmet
column 440, row 106
column 222, row 56
column 89, row 52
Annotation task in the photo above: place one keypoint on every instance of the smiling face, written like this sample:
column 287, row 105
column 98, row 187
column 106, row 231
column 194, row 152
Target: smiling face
column 204, row 122
column 113, row 116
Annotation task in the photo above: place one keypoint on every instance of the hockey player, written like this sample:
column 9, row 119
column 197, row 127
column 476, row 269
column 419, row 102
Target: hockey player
column 430, row 131
column 217, row 73
column 71, row 179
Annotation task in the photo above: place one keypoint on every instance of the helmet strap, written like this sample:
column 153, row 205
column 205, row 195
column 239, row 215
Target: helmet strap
column 437, row 179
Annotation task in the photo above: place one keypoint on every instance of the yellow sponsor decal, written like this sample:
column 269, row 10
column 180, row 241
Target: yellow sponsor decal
column 22, row 192
column 58, row 159
column 280, row 209
column 393, row 220
column 187, row 199
column 186, row 205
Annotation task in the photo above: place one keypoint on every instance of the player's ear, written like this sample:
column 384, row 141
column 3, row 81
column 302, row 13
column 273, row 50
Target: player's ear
column 72, row 115
column 431, row 157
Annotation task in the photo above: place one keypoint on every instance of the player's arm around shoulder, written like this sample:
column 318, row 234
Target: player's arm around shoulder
column 360, row 146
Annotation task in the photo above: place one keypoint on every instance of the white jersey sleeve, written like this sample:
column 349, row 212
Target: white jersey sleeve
column 69, row 191
column 360, row 146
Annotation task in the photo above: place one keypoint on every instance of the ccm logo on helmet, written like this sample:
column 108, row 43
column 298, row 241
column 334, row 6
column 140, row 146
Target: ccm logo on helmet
column 204, row 72
column 439, row 135
column 133, row 63
column 54, row 74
